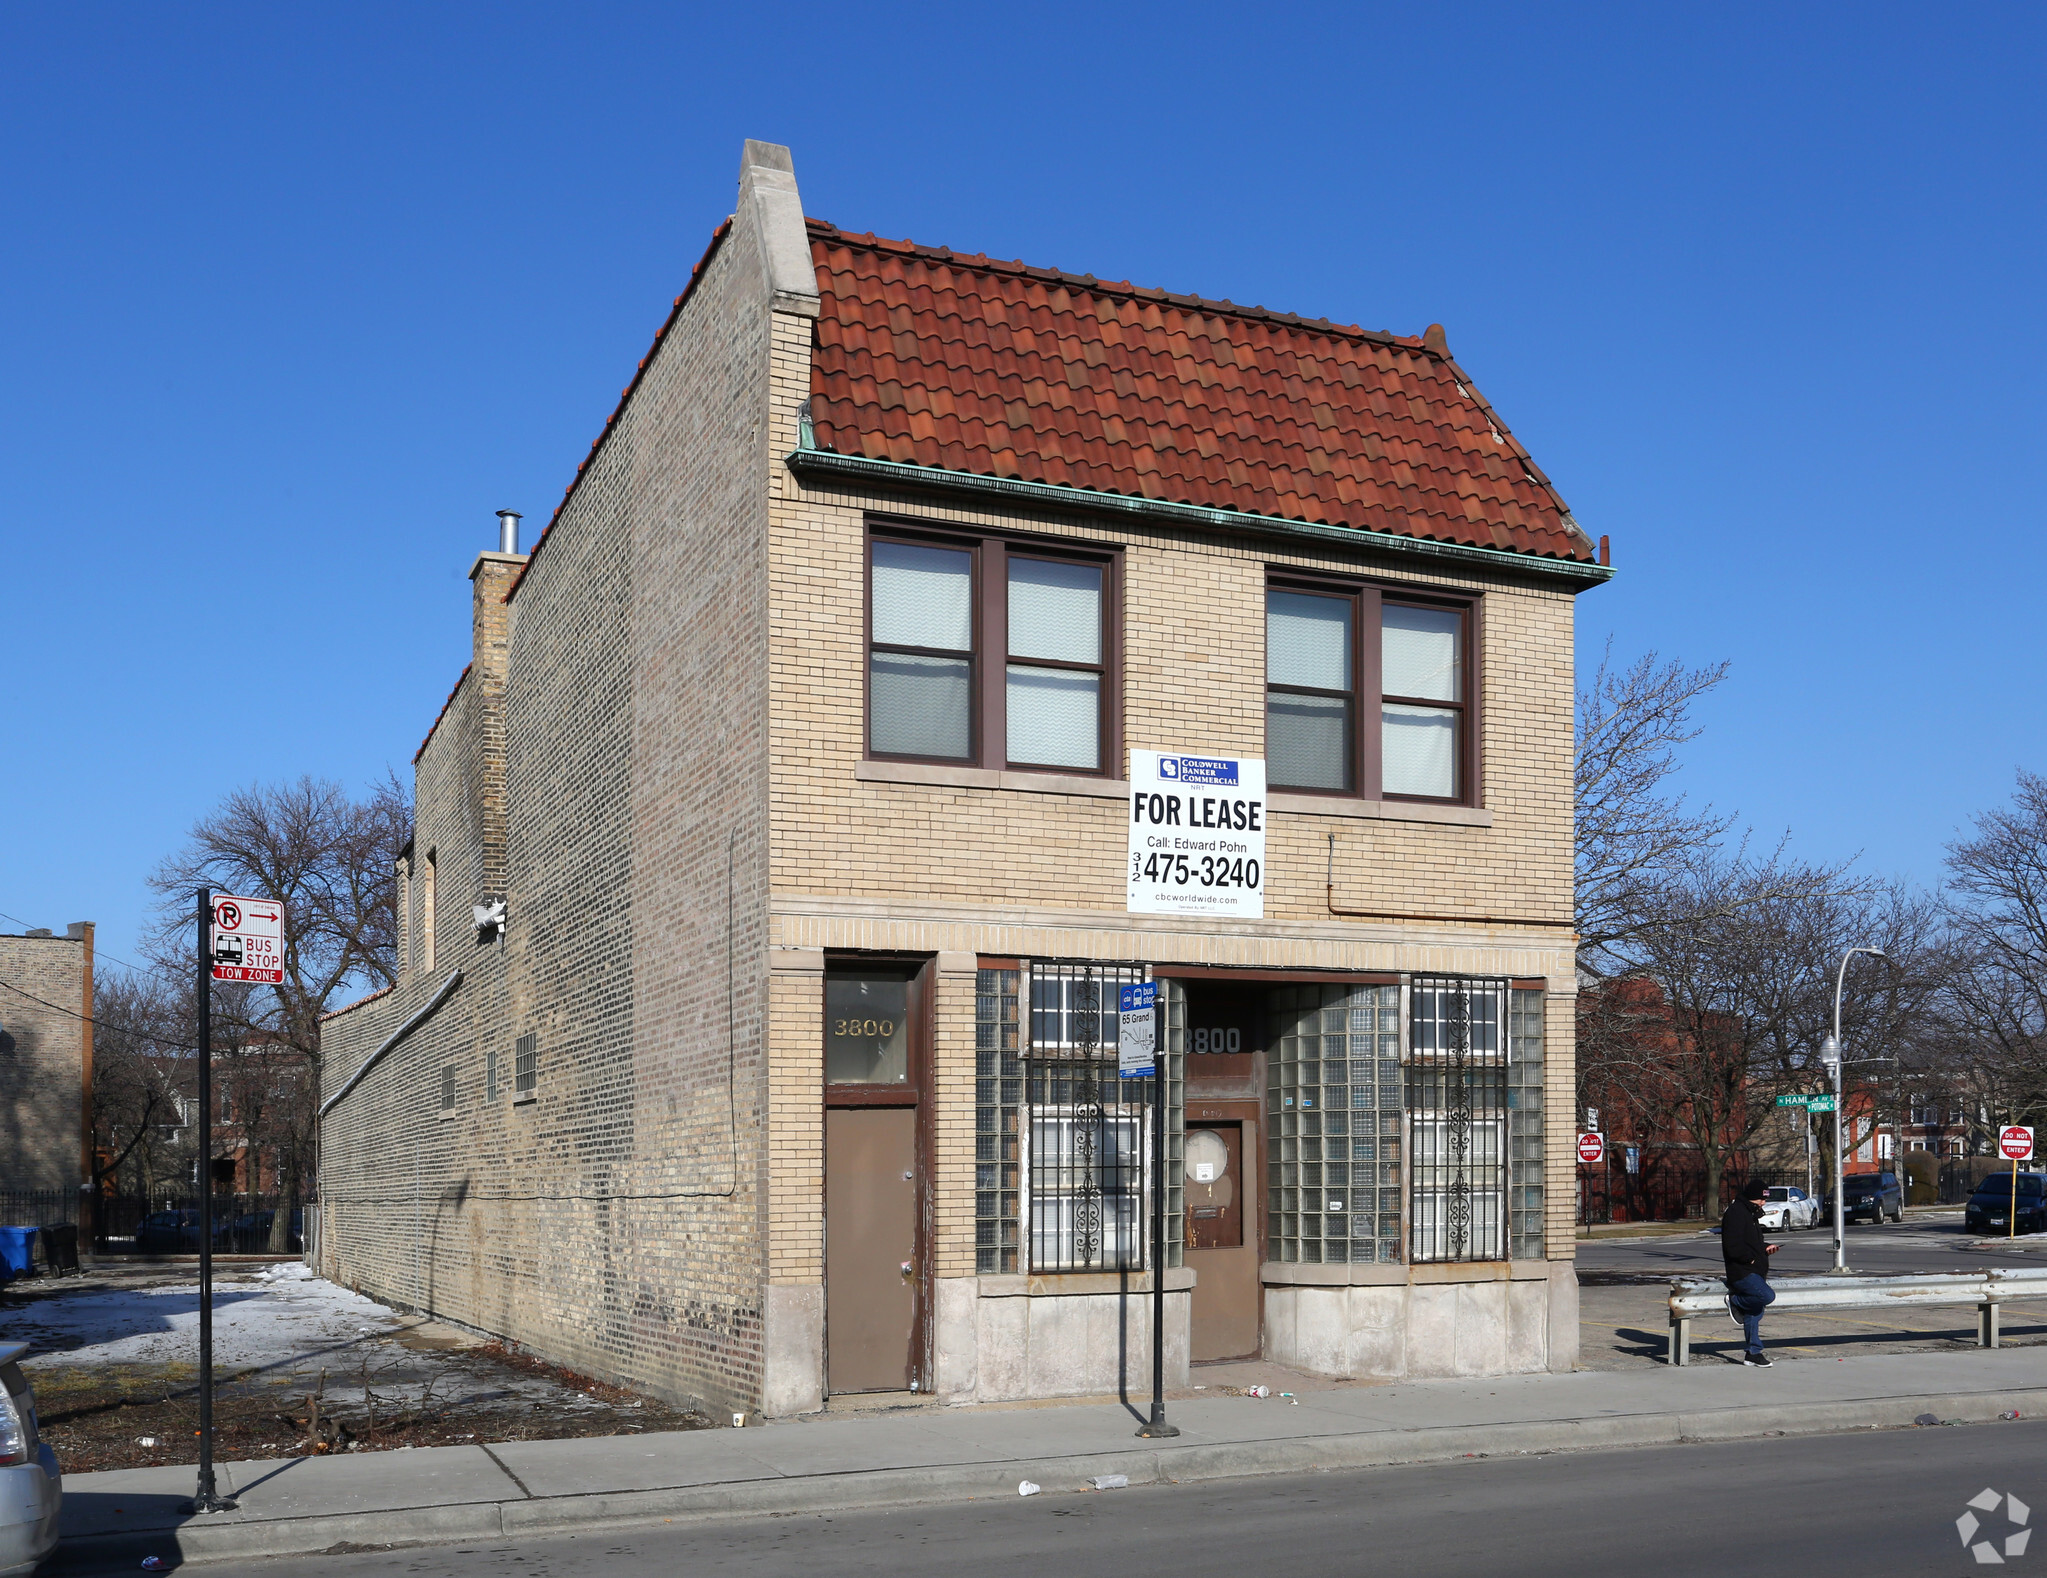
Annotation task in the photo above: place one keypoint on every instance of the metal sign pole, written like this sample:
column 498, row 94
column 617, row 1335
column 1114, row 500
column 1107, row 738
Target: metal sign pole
column 1157, row 1428
column 206, row 1498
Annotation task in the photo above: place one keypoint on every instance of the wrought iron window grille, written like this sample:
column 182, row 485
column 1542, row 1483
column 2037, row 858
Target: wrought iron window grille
column 1457, row 1118
column 1085, row 1131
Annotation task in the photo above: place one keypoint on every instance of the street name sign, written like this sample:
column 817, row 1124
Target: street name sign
column 1137, row 1028
column 1822, row 1103
column 1197, row 835
column 2015, row 1143
column 1591, row 1149
column 248, row 940
column 1793, row 1101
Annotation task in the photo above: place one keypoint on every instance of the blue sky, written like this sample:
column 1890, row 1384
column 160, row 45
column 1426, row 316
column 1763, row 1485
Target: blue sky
column 291, row 301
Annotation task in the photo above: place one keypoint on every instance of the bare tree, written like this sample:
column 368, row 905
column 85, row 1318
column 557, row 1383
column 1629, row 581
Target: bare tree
column 142, row 1068
column 1997, row 898
column 1635, row 837
column 330, row 860
column 1698, row 1036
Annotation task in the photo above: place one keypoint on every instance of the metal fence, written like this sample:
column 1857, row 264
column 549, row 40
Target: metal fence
column 243, row 1224
column 38, row 1207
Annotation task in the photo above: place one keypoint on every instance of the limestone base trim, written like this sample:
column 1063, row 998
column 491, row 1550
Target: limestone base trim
column 1501, row 1325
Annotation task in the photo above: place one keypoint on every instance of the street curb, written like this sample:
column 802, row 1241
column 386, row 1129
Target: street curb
column 197, row 1542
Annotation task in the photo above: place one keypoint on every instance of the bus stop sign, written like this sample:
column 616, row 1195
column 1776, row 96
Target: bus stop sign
column 248, row 940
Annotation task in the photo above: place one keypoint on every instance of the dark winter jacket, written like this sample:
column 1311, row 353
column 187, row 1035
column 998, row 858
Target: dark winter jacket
column 1741, row 1242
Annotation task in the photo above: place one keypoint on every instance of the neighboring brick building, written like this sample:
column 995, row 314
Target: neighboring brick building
column 45, row 1059
column 798, row 755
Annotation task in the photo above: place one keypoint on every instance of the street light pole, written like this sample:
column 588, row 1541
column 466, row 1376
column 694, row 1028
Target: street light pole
column 1830, row 1054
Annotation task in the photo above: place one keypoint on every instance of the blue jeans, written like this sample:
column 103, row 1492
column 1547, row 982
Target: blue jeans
column 1752, row 1295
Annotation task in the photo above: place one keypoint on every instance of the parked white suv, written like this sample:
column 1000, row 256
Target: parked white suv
column 1786, row 1207
column 31, row 1489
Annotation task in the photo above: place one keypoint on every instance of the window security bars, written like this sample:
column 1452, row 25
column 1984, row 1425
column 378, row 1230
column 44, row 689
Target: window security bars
column 1457, row 1119
column 998, row 1095
column 526, row 1064
column 1332, row 1104
column 1524, row 1124
column 1087, row 1150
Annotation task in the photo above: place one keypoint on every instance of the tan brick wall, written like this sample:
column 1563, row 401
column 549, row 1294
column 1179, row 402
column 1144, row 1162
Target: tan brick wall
column 616, row 1221
column 42, row 1051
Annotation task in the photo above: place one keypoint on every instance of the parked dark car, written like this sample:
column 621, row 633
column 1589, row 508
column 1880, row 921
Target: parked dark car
column 168, row 1233
column 1989, row 1208
column 1870, row 1197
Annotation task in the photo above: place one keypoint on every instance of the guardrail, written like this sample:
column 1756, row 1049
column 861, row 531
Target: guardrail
column 1987, row 1290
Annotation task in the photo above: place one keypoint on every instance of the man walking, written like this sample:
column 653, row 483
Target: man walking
column 1747, row 1261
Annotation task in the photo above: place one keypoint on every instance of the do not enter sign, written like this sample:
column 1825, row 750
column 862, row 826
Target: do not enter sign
column 1591, row 1149
column 2015, row 1143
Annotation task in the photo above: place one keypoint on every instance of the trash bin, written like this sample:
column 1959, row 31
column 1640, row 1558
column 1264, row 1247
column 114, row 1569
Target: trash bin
column 17, row 1247
column 60, row 1247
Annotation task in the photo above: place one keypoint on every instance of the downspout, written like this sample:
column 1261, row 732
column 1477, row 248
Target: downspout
column 1329, row 893
column 441, row 996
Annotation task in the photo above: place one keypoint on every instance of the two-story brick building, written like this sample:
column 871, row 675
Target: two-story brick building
column 798, row 755
column 46, row 1064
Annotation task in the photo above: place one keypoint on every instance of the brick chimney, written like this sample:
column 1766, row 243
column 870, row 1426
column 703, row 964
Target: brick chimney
column 491, row 577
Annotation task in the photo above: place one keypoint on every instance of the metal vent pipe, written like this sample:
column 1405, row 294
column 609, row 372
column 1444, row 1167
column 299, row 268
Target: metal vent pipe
column 508, row 531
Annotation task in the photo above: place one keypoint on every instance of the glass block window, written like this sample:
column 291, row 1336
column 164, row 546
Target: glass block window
column 1332, row 1105
column 998, row 1094
column 1457, row 1119
column 1087, row 1131
column 1524, row 1124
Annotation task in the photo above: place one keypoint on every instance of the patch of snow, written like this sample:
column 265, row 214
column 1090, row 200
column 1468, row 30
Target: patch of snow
column 266, row 1319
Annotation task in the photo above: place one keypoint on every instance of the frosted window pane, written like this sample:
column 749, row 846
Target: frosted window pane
column 922, row 597
column 1054, row 717
column 1420, row 746
column 1419, row 649
column 1307, row 641
column 1055, row 611
column 1307, row 741
column 919, row 706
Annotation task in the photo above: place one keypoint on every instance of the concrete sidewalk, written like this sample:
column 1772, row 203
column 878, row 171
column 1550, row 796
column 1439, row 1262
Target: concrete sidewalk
column 930, row 1454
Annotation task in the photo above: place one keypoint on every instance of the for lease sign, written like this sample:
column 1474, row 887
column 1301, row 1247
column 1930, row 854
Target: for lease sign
column 1197, row 835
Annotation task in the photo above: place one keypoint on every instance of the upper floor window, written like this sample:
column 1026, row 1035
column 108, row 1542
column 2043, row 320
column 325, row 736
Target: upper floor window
column 990, row 653
column 1366, row 694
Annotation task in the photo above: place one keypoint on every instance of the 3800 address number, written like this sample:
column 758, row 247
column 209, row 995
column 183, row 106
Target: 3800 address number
column 1210, row 871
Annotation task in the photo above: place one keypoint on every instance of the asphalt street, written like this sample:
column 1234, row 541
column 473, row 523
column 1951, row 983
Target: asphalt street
column 1874, row 1504
column 1623, row 1285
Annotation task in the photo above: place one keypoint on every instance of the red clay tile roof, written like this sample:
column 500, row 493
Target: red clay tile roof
column 937, row 358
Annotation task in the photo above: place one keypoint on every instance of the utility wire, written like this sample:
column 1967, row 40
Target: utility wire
column 98, row 1024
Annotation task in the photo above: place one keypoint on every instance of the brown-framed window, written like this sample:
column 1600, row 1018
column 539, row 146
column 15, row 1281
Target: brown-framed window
column 992, row 652
column 1368, row 692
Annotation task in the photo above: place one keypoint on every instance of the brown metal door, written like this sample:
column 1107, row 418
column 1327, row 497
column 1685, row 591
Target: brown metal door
column 1225, row 1310
column 870, row 1165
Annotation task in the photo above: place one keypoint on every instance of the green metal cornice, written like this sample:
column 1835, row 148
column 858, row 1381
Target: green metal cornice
column 860, row 470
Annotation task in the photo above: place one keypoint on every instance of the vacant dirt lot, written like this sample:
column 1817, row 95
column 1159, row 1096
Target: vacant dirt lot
column 300, row 1365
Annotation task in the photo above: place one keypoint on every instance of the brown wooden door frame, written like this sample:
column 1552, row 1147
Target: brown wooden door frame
column 922, row 973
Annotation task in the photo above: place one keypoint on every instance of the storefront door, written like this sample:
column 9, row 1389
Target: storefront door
column 875, row 1054
column 1225, row 1264
column 870, row 1247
